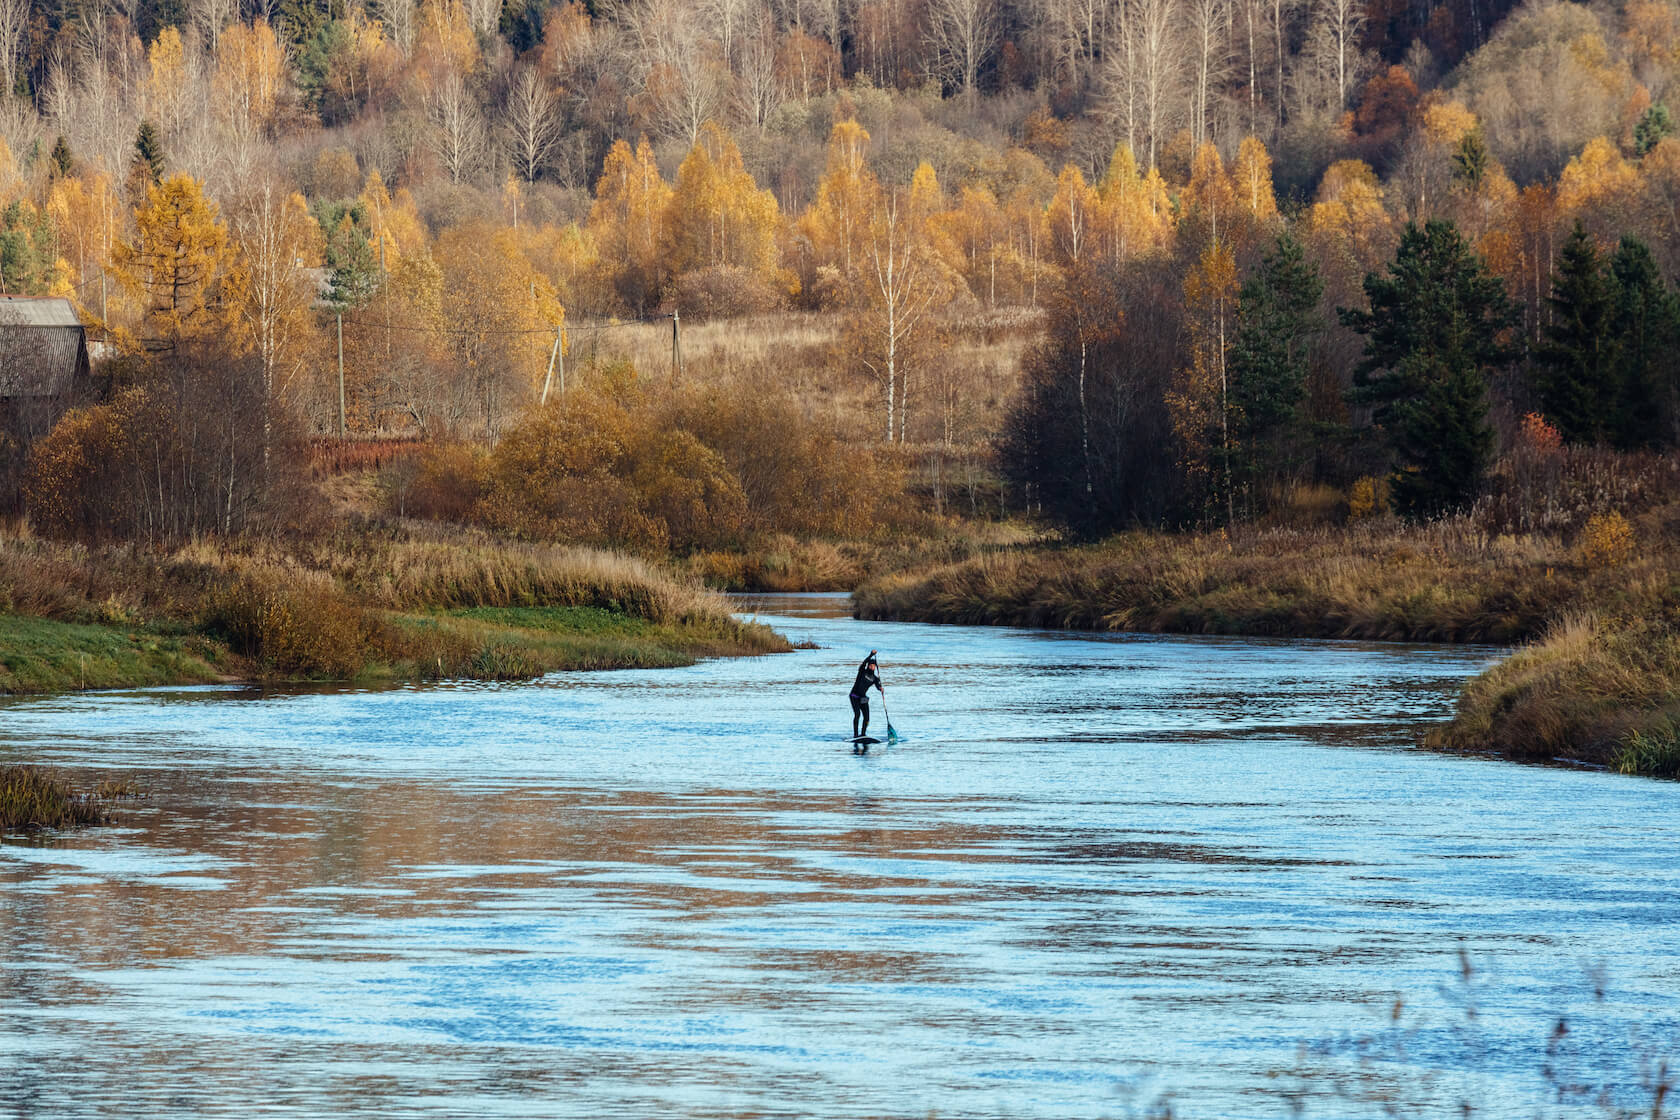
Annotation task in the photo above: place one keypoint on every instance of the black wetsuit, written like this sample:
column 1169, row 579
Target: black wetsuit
column 866, row 679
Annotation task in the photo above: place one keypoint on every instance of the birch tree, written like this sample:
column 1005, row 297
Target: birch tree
column 534, row 125
column 961, row 34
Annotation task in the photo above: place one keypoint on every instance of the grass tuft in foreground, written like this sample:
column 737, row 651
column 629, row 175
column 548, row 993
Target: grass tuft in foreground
column 32, row 798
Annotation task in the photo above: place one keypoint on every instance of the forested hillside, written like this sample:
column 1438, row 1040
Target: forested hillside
column 401, row 219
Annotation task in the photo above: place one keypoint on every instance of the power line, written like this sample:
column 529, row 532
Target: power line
column 423, row 328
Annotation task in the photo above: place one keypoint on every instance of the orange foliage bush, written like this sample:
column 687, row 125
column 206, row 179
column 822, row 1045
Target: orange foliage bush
column 1607, row 541
column 293, row 627
column 444, row 481
column 685, row 469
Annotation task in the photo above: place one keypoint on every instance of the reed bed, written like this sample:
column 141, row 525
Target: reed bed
column 1445, row 581
column 32, row 798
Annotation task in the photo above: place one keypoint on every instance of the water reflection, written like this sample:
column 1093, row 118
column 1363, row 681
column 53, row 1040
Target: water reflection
column 1097, row 869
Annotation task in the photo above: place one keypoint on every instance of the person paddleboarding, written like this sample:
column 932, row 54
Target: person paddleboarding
column 868, row 674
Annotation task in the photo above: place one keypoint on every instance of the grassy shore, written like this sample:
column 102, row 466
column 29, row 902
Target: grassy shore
column 1446, row 581
column 372, row 602
column 1590, row 691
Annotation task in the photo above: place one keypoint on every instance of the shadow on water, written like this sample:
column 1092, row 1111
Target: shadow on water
column 1102, row 875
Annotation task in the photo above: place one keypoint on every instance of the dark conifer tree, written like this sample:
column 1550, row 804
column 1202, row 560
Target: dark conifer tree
column 1652, row 127
column 1575, row 365
column 148, row 151
column 62, row 160
column 1438, row 323
column 1471, row 161
column 1277, row 320
column 1645, row 321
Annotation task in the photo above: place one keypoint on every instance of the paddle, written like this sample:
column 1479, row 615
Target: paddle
column 892, row 736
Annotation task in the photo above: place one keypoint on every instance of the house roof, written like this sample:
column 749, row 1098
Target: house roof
column 43, row 346
column 37, row 311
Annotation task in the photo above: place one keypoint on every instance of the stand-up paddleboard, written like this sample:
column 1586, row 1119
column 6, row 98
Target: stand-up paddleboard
column 863, row 741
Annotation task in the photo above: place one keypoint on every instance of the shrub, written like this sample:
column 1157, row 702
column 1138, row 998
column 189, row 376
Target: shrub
column 1364, row 498
column 723, row 292
column 444, row 481
column 293, row 625
column 34, row 798
column 1607, row 541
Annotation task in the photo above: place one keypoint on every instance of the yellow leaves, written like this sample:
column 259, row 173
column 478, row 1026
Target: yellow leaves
column 167, row 85
column 1599, row 175
column 10, row 183
column 1251, row 176
column 248, row 73
column 446, row 38
column 84, row 212
column 502, row 310
column 395, row 223
column 1349, row 203
column 1607, row 541
column 1209, row 192
column 1135, row 216
column 1198, row 401
column 628, row 219
column 177, row 262
column 718, row 216
column 837, row 222
column 1448, row 122
column 1071, row 215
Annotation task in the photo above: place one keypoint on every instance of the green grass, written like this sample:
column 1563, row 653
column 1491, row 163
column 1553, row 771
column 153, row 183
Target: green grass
column 42, row 655
column 515, row 643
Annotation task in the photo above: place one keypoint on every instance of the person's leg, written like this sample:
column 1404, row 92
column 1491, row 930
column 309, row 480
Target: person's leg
column 864, row 704
column 856, row 708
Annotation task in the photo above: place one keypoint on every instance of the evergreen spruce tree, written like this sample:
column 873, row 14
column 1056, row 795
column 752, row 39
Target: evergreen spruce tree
column 1645, row 321
column 62, row 160
column 1436, row 326
column 148, row 151
column 1471, row 160
column 1575, row 366
column 1652, row 127
column 352, row 264
column 1276, row 320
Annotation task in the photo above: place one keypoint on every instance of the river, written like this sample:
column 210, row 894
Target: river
column 1098, row 876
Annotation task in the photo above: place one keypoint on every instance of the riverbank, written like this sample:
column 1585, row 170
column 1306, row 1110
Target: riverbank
column 371, row 602
column 1600, row 685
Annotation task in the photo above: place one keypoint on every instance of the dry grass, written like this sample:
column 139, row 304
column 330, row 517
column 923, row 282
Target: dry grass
column 1445, row 581
column 802, row 350
column 787, row 563
column 1589, row 691
column 372, row 600
column 32, row 798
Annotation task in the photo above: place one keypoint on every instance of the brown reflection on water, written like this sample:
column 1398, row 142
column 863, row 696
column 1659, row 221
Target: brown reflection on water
column 249, row 867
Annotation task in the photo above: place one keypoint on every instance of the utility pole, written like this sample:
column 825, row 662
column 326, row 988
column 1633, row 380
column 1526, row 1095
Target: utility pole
column 553, row 356
column 341, row 426
column 676, row 344
column 385, row 289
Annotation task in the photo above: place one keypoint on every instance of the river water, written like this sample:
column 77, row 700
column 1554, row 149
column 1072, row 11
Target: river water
column 1100, row 875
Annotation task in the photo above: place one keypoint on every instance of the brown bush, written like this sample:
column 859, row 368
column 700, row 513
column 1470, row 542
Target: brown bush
column 444, row 481
column 294, row 625
column 186, row 452
column 723, row 292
